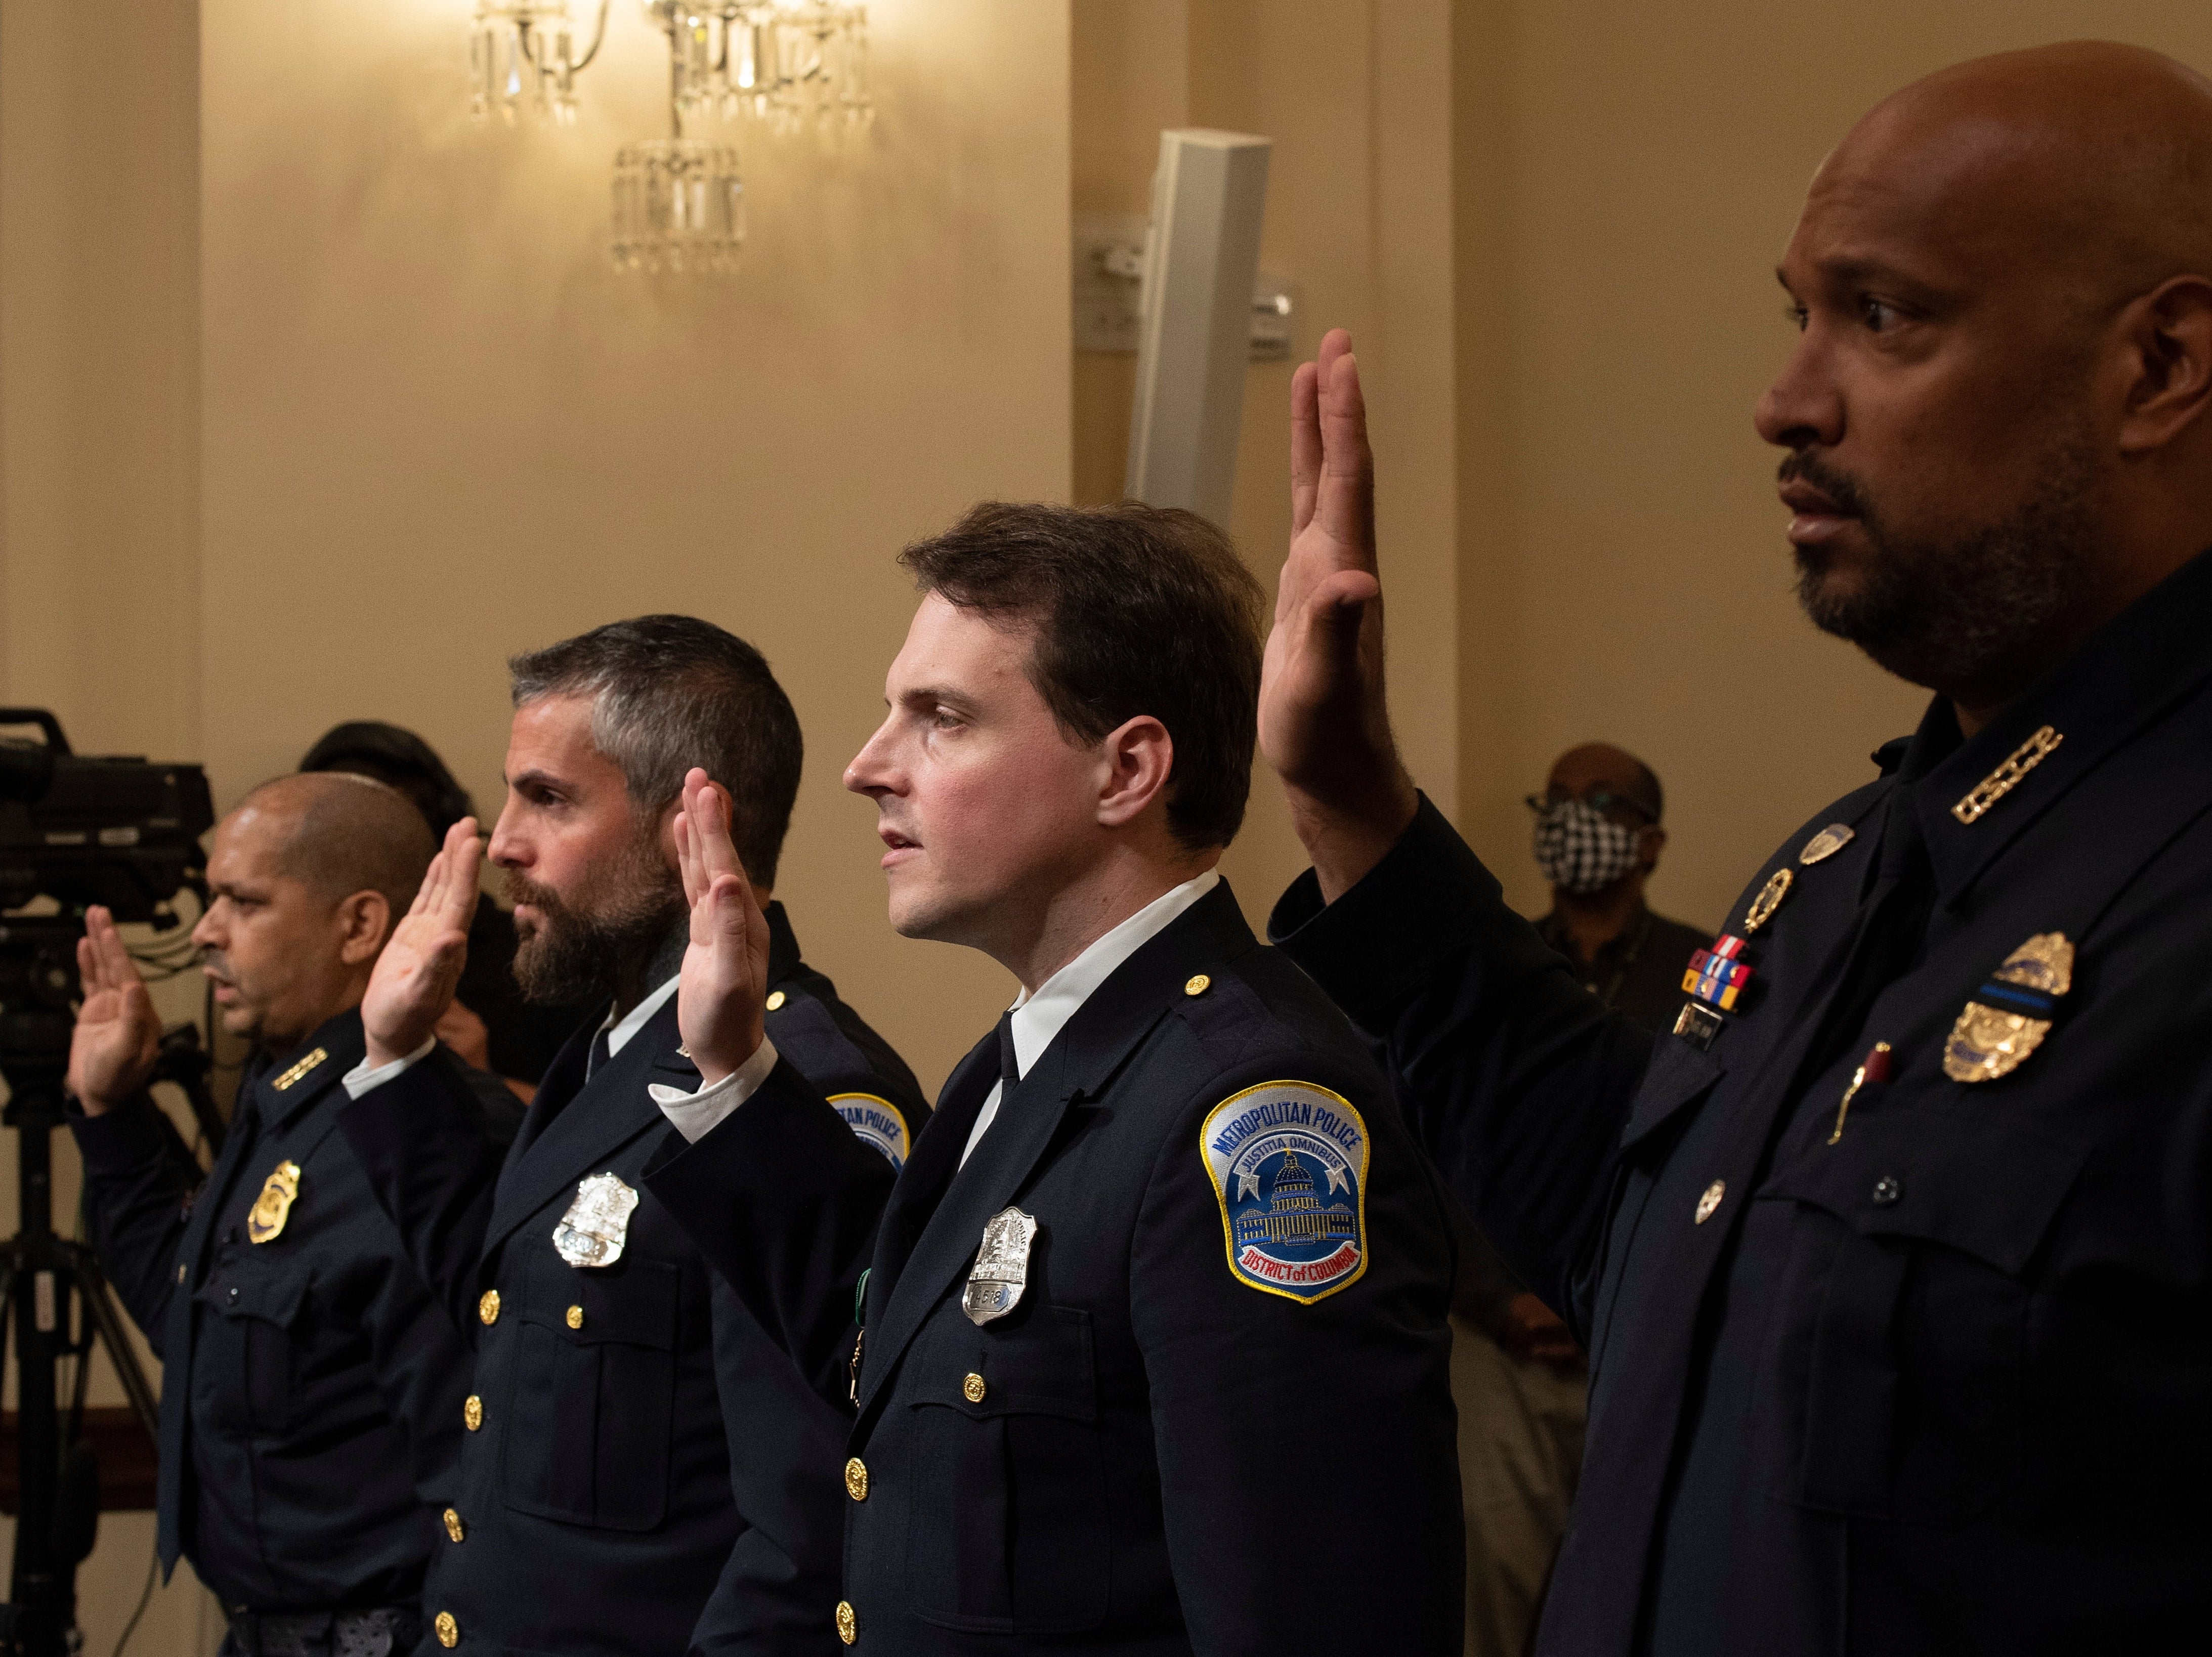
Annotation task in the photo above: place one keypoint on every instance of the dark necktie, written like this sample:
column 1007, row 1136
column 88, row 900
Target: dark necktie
column 602, row 1050
column 1010, row 1063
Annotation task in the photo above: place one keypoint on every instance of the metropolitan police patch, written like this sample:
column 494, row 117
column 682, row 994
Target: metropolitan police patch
column 876, row 1122
column 1289, row 1164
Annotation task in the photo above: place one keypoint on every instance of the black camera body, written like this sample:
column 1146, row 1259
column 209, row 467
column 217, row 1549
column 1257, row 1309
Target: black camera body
column 115, row 830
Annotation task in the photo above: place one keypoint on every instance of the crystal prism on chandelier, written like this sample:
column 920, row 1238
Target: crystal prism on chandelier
column 523, row 53
column 679, row 207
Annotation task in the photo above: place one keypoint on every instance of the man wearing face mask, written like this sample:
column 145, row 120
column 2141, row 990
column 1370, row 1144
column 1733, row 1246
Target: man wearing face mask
column 1598, row 839
column 1520, row 1377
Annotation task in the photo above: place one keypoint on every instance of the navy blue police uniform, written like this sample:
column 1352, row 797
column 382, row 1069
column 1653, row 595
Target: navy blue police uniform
column 1895, row 1259
column 1162, row 1367
column 640, row 1467
column 311, row 1383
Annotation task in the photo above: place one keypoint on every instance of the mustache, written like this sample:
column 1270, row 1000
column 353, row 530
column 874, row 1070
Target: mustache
column 1839, row 487
column 216, row 962
column 518, row 887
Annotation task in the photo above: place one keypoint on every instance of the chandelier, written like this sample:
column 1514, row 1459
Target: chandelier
column 680, row 201
column 785, row 63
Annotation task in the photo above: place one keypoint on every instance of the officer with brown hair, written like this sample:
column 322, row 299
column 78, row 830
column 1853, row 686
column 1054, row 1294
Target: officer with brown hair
column 1151, row 1354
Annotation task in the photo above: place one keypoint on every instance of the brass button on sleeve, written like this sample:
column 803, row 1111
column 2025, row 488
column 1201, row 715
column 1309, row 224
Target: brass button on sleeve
column 449, row 1631
column 775, row 1001
column 453, row 1525
column 472, row 1412
column 856, row 1479
column 849, row 1626
column 973, row 1388
column 1198, row 984
column 575, row 1317
column 487, row 1308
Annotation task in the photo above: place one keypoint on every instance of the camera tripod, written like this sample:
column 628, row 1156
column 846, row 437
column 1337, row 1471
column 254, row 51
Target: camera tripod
column 52, row 1292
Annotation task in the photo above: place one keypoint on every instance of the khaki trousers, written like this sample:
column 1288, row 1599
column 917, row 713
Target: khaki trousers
column 1521, row 1427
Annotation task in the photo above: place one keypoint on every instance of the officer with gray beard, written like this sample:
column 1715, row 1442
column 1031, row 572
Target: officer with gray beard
column 640, row 1470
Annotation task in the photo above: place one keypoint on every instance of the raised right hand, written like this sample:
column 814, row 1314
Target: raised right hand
column 420, row 967
column 1324, row 723
column 118, row 1037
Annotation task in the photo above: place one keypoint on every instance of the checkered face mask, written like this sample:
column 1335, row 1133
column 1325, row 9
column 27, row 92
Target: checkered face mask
column 1580, row 849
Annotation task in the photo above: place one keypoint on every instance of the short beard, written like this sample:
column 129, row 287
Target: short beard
column 579, row 952
column 1950, row 615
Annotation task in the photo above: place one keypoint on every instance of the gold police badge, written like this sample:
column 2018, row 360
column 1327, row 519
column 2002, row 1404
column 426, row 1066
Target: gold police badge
column 264, row 1222
column 2010, row 1014
column 596, row 1225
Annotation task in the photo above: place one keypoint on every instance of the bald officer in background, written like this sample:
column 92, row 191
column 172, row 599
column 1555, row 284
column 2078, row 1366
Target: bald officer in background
column 311, row 1386
column 1894, row 1257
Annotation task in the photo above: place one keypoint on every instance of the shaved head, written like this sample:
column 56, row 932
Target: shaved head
column 2004, row 278
column 341, row 834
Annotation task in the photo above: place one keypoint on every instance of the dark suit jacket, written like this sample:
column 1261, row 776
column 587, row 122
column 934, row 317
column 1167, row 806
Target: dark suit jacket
column 1933, row 1383
column 1152, row 1451
column 310, row 1384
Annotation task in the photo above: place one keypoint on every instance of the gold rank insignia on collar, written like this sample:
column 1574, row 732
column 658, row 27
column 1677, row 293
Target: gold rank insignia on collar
column 264, row 1222
column 2007, row 777
column 300, row 1068
column 2010, row 1014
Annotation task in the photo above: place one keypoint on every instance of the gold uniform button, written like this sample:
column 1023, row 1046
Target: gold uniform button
column 849, row 1626
column 973, row 1389
column 453, row 1525
column 575, row 1317
column 1710, row 1200
column 1198, row 984
column 487, row 1308
column 449, row 1631
column 472, row 1412
column 856, row 1479
column 180, row 1270
column 775, row 1001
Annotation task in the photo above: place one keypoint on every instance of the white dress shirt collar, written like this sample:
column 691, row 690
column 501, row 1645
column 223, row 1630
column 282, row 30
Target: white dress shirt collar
column 619, row 1030
column 1041, row 1017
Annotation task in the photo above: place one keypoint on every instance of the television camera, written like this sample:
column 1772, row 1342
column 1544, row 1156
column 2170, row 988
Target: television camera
column 75, row 830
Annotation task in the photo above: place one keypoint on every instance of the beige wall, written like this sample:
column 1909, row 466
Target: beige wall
column 1653, row 160
column 1356, row 97
column 315, row 400
column 1551, row 228
column 438, row 426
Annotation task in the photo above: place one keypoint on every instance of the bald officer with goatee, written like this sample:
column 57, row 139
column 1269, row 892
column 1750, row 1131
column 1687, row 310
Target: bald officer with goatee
column 310, row 1384
column 1894, row 1257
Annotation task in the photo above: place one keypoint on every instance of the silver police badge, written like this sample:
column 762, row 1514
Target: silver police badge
column 594, row 1230
column 1001, row 1271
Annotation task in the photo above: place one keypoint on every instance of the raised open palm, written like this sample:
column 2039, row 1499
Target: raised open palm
column 724, row 979
column 421, row 966
column 1324, row 718
column 118, row 1036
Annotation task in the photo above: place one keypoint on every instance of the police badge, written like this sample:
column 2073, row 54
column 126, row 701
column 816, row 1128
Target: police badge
column 875, row 1123
column 264, row 1220
column 592, row 1231
column 2010, row 1014
column 1001, row 1271
column 1289, row 1165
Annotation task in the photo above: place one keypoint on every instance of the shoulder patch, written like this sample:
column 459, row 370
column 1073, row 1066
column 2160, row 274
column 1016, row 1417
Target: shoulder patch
column 876, row 1122
column 1289, row 1165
